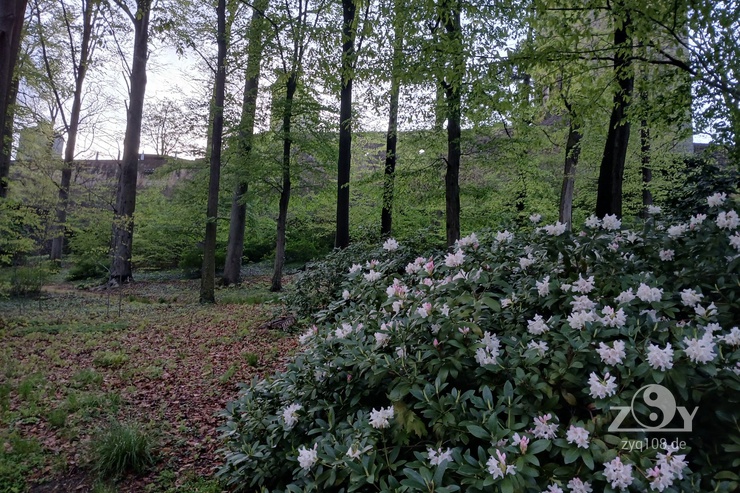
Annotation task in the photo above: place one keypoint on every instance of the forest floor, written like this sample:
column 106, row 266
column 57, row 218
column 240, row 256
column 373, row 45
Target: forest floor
column 73, row 361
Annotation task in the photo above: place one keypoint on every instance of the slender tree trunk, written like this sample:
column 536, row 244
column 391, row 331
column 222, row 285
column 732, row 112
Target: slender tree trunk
column 386, row 220
column 349, row 32
column 57, row 244
column 237, row 221
column 647, row 172
column 277, row 276
column 123, row 221
column 611, row 173
column 12, row 14
column 452, row 88
column 208, row 275
column 572, row 153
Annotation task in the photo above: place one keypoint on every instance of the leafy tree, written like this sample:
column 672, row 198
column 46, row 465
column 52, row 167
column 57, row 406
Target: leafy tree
column 11, row 27
column 208, row 275
column 244, row 142
column 79, row 47
column 123, row 222
column 349, row 34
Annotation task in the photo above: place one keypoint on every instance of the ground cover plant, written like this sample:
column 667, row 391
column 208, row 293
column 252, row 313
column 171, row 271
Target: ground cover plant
column 501, row 365
column 93, row 399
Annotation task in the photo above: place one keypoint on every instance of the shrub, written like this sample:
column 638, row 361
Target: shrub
column 320, row 282
column 121, row 448
column 24, row 281
column 502, row 366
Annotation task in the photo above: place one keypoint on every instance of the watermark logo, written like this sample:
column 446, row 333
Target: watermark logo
column 661, row 412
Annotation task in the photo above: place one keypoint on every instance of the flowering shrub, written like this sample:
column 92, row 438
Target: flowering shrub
column 500, row 366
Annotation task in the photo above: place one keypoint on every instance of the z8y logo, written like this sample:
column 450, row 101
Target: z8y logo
column 661, row 411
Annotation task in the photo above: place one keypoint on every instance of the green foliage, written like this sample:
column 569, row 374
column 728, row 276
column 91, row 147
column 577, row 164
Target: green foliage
column 19, row 458
column 696, row 178
column 433, row 376
column 122, row 448
column 110, row 359
column 24, row 280
column 89, row 243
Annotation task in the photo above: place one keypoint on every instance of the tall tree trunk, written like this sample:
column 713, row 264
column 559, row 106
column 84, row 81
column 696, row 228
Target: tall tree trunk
column 277, row 276
column 611, row 172
column 572, row 153
column 123, row 220
column 208, row 274
column 57, row 244
column 237, row 221
column 452, row 88
column 386, row 220
column 647, row 172
column 349, row 32
column 12, row 14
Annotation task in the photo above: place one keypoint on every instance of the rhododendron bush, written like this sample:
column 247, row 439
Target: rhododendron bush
column 501, row 365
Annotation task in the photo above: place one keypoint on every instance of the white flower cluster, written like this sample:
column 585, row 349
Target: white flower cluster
column 577, row 435
column 290, row 415
column 537, row 325
column 438, row 457
column 455, row 259
column 668, row 468
column 381, row 418
column 498, row 467
column 543, row 428
column 308, row 457
column 601, row 388
column 543, row 286
column 555, row 229
column 390, row 245
column 660, row 359
column 648, row 294
column 728, row 220
column 469, row 241
column 487, row 354
column 618, row 474
column 612, row 355
column 700, row 350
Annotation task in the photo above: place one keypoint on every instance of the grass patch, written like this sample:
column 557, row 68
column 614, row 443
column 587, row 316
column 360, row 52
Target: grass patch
column 110, row 359
column 19, row 457
column 121, row 448
column 251, row 358
column 87, row 378
column 57, row 417
column 28, row 385
column 228, row 374
column 83, row 328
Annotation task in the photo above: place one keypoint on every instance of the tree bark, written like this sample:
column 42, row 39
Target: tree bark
column 572, row 153
column 452, row 88
column 123, row 220
column 647, row 172
column 208, row 275
column 12, row 14
column 386, row 220
column 349, row 31
column 611, row 172
column 237, row 221
column 277, row 276
column 57, row 244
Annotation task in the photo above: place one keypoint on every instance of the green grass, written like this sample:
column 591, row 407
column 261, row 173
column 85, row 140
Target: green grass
column 110, row 359
column 18, row 458
column 121, row 448
column 57, row 417
column 251, row 358
column 87, row 378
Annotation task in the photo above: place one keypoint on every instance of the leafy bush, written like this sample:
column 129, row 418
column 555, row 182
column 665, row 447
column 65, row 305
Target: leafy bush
column 320, row 282
column 121, row 448
column 24, row 280
column 501, row 367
